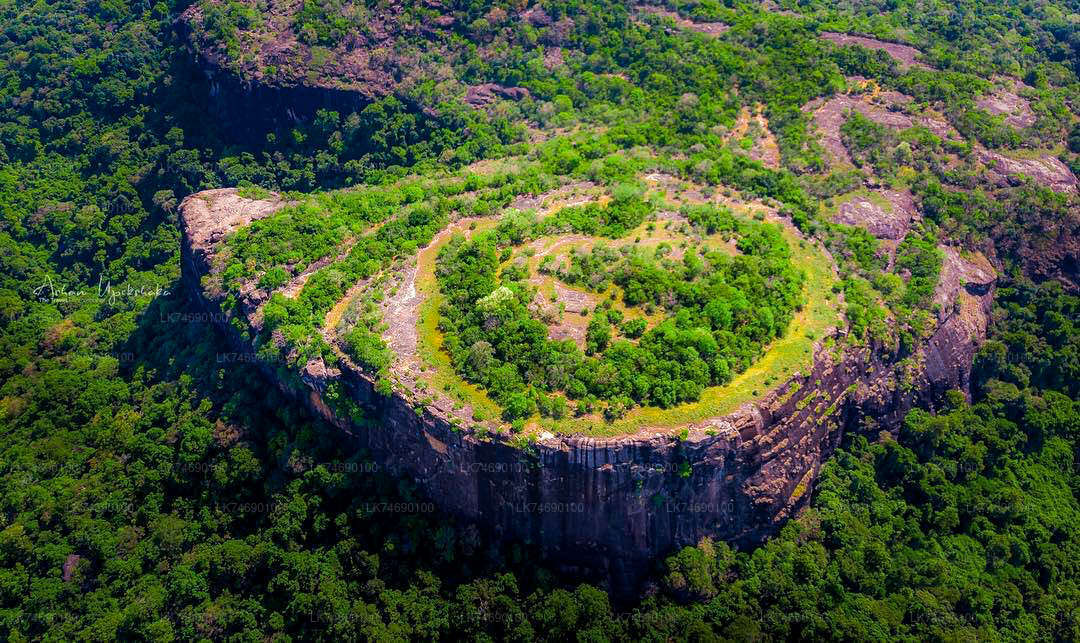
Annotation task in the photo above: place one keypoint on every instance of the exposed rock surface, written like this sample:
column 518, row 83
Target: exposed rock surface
column 274, row 68
column 1005, row 101
column 487, row 93
column 277, row 52
column 905, row 55
column 608, row 506
column 210, row 216
column 885, row 214
column 285, row 78
column 707, row 28
column 890, row 222
column 71, row 563
column 830, row 115
column 1047, row 170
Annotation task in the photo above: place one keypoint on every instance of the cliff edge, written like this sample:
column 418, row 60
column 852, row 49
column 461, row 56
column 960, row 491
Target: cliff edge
column 608, row 506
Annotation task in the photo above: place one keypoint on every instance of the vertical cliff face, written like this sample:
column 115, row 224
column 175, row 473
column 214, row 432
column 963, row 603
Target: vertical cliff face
column 609, row 506
column 285, row 78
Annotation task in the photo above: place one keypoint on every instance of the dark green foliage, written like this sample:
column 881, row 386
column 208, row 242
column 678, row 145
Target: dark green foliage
column 989, row 130
column 1035, row 341
column 625, row 212
column 597, row 334
column 155, row 486
column 633, row 328
column 869, row 143
column 947, row 531
column 920, row 257
column 864, row 313
column 723, row 312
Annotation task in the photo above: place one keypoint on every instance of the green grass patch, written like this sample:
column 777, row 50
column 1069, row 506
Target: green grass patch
column 440, row 374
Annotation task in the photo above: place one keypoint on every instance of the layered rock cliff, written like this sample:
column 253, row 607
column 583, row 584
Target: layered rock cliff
column 609, row 506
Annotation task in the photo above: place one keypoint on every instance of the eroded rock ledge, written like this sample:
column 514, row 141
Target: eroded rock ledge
column 605, row 507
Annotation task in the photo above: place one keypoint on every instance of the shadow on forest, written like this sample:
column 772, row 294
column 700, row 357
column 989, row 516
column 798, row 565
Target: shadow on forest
column 177, row 343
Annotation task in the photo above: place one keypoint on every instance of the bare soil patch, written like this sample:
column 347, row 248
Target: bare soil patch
column 400, row 313
column 563, row 316
column 764, row 147
column 575, row 300
column 552, row 246
column 576, row 193
column 675, row 189
column 666, row 184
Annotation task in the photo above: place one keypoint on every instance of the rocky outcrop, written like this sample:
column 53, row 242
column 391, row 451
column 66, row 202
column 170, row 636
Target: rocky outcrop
column 605, row 508
column 274, row 71
column 904, row 55
column 210, row 216
column 707, row 28
column 888, row 217
column 487, row 93
column 1003, row 171
column 1004, row 101
column 285, row 76
column 829, row 115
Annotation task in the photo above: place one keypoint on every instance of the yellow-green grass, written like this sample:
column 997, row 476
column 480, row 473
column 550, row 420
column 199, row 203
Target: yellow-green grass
column 641, row 236
column 440, row 374
column 792, row 353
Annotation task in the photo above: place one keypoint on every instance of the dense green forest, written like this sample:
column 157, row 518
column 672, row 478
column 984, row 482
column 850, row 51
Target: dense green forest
column 726, row 309
column 155, row 486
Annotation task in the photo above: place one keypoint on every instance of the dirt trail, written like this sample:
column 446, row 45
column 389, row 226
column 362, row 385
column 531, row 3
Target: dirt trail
column 296, row 284
column 543, row 248
column 334, row 315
